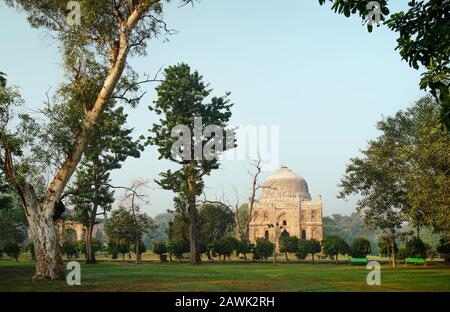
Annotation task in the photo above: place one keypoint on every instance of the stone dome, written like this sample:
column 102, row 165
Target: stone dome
column 285, row 183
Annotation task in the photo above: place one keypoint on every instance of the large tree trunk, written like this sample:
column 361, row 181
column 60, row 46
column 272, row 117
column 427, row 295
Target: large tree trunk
column 193, row 235
column 49, row 264
column 393, row 253
column 90, row 254
column 138, row 251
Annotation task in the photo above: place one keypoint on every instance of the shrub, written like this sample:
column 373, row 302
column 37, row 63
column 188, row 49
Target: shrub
column 415, row 248
column 224, row 247
column 444, row 249
column 302, row 249
column 70, row 249
column 264, row 248
column 160, row 248
column 313, row 247
column 12, row 250
column 178, row 247
column 288, row 244
column 360, row 248
column 333, row 246
column 243, row 247
column 30, row 248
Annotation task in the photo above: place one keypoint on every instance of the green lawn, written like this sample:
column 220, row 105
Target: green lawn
column 117, row 276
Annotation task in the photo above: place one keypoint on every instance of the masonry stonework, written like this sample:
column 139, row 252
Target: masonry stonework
column 285, row 208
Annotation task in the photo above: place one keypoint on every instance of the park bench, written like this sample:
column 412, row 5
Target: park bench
column 415, row 261
column 359, row 260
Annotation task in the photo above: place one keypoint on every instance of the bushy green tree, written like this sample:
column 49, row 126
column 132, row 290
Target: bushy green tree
column 264, row 248
column 288, row 244
column 71, row 249
column 333, row 246
column 302, row 249
column 314, row 247
column 96, row 68
column 415, row 248
column 244, row 247
column 224, row 247
column 30, row 248
column 12, row 250
column 183, row 97
column 106, row 152
column 444, row 249
column 177, row 248
column 160, row 248
column 360, row 248
column 387, row 247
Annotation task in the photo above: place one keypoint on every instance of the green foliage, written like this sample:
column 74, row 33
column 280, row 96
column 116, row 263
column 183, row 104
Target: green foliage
column 424, row 33
column 444, row 248
column 72, row 248
column 243, row 247
column 12, row 250
column 215, row 222
column 116, row 247
column 415, row 248
column 403, row 174
column 314, row 247
column 289, row 244
column 121, row 225
column 333, row 246
column 30, row 248
column 360, row 248
column 183, row 96
column 385, row 246
column 264, row 248
column 160, row 248
column 302, row 249
column 178, row 247
column 224, row 247
column 13, row 224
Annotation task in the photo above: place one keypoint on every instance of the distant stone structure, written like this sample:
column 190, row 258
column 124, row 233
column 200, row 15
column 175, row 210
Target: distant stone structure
column 285, row 208
column 79, row 230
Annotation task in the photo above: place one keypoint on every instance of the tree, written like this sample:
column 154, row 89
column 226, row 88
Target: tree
column 403, row 175
column 288, row 244
column 12, row 250
column 243, row 247
column 302, row 249
column 95, row 62
column 224, row 247
column 105, row 152
column 160, row 248
column 70, row 249
column 215, row 222
column 183, row 100
column 177, row 248
column 415, row 248
column 314, row 247
column 360, row 248
column 386, row 249
column 264, row 248
column 424, row 33
column 444, row 249
column 116, row 247
column 125, row 229
column 333, row 246
column 30, row 248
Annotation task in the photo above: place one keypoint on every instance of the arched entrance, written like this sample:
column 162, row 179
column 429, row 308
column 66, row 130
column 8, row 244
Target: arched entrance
column 266, row 234
column 303, row 234
column 284, row 233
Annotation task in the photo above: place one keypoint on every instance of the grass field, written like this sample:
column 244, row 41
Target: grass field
column 217, row 276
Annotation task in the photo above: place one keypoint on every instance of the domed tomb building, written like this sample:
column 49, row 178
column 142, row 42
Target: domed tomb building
column 285, row 208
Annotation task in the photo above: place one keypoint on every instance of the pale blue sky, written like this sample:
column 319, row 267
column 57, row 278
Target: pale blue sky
column 320, row 76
